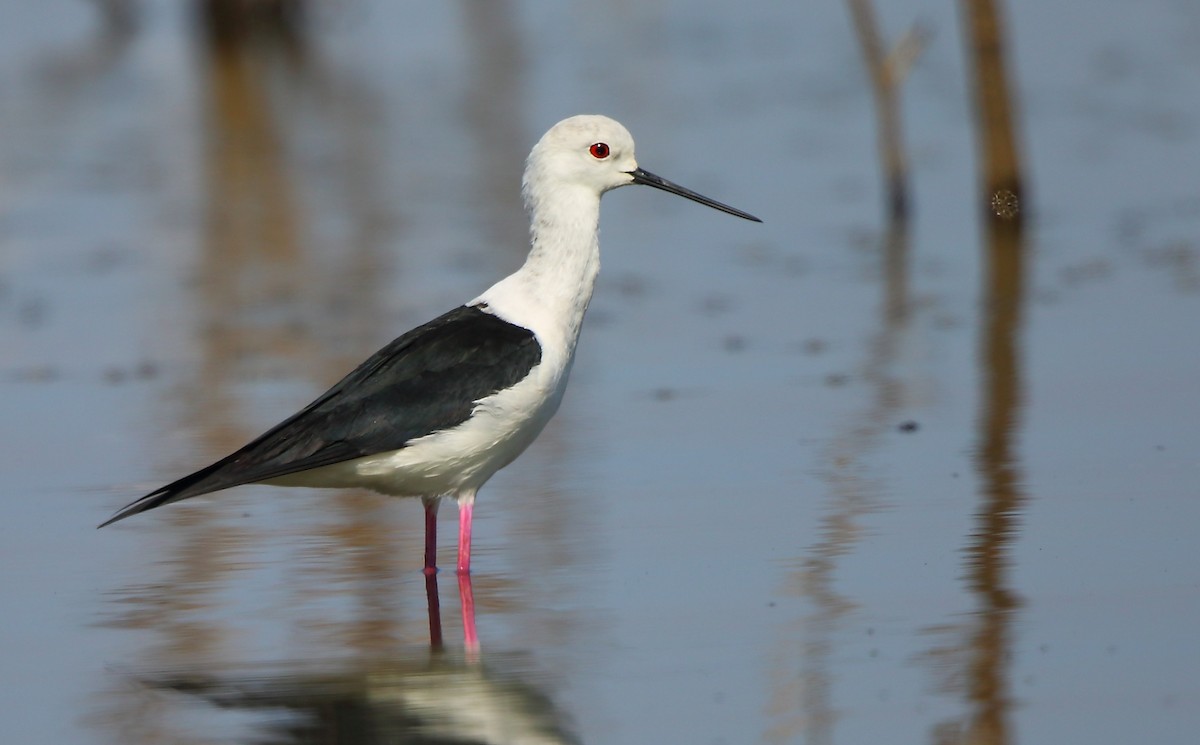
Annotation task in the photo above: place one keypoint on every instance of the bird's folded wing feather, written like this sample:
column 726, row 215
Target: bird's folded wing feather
column 424, row 381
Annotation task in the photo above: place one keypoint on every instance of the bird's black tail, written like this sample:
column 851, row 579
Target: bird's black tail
column 189, row 486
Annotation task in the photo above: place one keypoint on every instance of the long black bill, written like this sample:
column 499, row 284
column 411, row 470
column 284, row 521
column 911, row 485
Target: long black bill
column 641, row 176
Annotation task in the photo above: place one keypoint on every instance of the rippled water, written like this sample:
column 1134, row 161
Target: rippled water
column 814, row 481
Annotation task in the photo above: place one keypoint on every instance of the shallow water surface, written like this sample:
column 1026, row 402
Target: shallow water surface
column 815, row 480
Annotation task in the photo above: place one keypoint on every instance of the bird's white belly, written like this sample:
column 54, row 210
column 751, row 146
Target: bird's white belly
column 454, row 460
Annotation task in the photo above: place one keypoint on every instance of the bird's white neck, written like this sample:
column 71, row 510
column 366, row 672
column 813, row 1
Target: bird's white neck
column 551, row 291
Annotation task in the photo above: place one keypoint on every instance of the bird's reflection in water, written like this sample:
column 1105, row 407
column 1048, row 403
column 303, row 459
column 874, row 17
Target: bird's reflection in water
column 431, row 695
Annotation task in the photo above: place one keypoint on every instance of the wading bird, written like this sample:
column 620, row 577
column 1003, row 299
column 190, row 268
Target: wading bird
column 439, row 410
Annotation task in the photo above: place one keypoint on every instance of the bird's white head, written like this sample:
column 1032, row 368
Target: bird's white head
column 588, row 151
column 588, row 155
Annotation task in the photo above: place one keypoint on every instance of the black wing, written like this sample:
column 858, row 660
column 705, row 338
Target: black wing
column 426, row 380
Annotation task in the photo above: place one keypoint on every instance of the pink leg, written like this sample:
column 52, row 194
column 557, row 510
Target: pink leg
column 464, row 537
column 431, row 510
column 467, row 597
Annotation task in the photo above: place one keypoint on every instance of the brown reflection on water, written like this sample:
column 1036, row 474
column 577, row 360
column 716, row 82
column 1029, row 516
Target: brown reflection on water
column 976, row 663
column 801, row 704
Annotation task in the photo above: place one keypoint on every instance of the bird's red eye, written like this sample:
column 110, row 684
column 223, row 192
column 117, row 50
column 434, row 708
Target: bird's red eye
column 599, row 150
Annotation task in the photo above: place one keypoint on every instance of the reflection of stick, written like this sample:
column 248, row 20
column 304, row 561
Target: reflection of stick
column 988, row 673
column 886, row 72
column 1000, row 161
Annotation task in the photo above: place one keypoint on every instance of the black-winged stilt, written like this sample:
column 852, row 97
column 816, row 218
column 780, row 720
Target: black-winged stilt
column 439, row 410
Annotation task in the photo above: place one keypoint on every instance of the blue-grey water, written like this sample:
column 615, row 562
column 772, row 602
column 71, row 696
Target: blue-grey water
column 796, row 493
